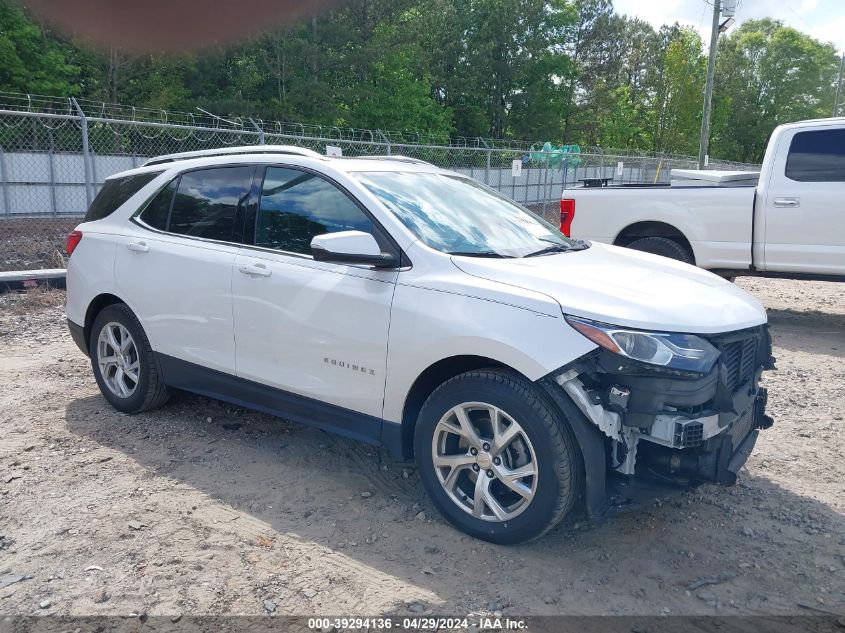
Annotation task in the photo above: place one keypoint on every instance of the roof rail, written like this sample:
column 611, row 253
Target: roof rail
column 396, row 157
column 228, row 151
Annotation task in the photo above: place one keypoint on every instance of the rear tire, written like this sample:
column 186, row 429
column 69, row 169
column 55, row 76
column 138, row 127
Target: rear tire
column 123, row 361
column 663, row 246
column 526, row 472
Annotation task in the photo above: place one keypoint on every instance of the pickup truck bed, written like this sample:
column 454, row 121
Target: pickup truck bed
column 791, row 224
column 623, row 215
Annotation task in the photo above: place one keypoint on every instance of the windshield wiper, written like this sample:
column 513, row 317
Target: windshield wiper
column 578, row 245
column 480, row 254
column 554, row 248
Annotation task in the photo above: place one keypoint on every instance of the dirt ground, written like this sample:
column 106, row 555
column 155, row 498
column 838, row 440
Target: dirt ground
column 205, row 508
column 34, row 243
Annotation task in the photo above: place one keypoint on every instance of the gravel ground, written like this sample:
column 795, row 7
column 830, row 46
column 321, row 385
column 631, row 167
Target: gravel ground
column 34, row 243
column 204, row 508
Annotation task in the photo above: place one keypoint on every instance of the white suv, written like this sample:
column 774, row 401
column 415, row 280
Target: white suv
column 412, row 307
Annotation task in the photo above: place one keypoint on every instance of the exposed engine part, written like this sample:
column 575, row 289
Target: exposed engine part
column 609, row 422
column 624, row 450
column 617, row 397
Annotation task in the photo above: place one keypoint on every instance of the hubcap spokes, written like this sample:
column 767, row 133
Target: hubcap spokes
column 484, row 461
column 117, row 358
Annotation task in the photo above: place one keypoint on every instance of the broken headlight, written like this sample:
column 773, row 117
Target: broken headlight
column 667, row 349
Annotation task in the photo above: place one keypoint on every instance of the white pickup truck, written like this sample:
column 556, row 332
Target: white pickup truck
column 790, row 222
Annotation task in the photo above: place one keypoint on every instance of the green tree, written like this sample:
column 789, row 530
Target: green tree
column 32, row 60
column 681, row 70
column 768, row 74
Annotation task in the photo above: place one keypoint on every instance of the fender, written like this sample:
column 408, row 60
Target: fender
column 591, row 443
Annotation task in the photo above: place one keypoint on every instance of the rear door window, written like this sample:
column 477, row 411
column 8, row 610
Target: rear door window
column 817, row 156
column 115, row 192
column 207, row 202
column 296, row 206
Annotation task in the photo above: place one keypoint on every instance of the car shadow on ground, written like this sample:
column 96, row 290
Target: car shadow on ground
column 763, row 544
column 808, row 331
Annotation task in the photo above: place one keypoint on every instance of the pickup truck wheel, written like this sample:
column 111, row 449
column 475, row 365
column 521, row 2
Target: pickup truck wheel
column 123, row 362
column 498, row 460
column 663, row 246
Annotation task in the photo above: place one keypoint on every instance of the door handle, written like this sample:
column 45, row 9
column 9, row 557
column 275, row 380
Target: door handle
column 257, row 270
column 787, row 202
column 139, row 247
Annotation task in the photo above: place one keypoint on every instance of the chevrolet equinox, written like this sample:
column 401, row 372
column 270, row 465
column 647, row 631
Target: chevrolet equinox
column 412, row 307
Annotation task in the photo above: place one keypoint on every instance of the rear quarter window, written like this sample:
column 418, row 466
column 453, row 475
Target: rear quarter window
column 115, row 192
column 157, row 211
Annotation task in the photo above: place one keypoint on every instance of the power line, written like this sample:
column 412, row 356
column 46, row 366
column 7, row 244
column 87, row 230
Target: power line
column 797, row 14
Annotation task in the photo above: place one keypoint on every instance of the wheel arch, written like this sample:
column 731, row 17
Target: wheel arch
column 589, row 442
column 432, row 377
column 653, row 228
column 97, row 304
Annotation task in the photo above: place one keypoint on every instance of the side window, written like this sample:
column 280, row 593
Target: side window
column 207, row 200
column 157, row 211
column 817, row 156
column 296, row 206
column 115, row 192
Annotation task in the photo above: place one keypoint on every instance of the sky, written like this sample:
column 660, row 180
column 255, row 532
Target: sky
column 823, row 19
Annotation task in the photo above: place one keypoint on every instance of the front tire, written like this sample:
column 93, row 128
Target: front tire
column 123, row 361
column 496, row 457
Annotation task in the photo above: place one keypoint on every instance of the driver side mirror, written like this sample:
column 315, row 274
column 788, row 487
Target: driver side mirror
column 351, row 247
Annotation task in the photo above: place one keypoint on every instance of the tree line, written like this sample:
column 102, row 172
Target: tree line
column 567, row 71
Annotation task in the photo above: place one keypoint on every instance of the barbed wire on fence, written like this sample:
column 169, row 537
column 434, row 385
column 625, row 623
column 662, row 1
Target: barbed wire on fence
column 56, row 152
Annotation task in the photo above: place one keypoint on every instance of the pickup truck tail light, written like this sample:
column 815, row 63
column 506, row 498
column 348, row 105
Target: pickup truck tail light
column 567, row 214
column 73, row 240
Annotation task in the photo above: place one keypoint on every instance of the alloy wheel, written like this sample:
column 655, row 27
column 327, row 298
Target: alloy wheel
column 117, row 357
column 484, row 461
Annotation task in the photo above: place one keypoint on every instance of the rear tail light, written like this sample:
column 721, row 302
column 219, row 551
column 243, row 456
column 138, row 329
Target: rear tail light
column 567, row 214
column 72, row 242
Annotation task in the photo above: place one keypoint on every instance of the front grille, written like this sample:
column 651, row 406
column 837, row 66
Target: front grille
column 739, row 360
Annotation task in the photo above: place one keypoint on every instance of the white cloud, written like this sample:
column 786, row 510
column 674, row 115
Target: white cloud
column 823, row 19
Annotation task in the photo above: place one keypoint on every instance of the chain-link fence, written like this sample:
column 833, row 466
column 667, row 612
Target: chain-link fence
column 55, row 154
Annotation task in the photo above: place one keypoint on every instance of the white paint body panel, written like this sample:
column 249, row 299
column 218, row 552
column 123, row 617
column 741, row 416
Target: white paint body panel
column 316, row 329
column 181, row 291
column 717, row 221
column 809, row 238
column 623, row 287
column 90, row 272
column 347, row 243
column 279, row 329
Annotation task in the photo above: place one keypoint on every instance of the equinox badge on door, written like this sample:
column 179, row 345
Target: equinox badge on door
column 344, row 365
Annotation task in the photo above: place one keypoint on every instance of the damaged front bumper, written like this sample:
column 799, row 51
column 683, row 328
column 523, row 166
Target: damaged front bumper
column 661, row 427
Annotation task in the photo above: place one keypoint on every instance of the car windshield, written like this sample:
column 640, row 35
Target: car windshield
column 461, row 216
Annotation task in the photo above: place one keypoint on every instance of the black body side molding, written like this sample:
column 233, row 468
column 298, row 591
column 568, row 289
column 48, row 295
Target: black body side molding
column 77, row 333
column 181, row 374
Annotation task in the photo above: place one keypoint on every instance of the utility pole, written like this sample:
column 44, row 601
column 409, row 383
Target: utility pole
column 708, row 87
column 838, row 85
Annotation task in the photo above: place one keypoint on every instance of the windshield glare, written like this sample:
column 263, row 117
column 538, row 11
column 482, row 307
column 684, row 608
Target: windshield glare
column 459, row 215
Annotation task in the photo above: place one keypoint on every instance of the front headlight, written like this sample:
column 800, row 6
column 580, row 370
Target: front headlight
column 678, row 351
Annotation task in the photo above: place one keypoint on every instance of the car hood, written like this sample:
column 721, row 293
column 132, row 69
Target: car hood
column 625, row 287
